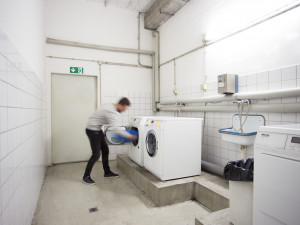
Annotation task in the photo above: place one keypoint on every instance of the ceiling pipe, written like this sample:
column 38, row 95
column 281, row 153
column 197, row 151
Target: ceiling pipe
column 156, row 68
column 279, row 108
column 102, row 62
column 99, row 47
column 284, row 93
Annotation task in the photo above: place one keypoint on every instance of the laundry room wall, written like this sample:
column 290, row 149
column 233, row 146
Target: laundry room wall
column 265, row 57
column 91, row 22
column 22, row 109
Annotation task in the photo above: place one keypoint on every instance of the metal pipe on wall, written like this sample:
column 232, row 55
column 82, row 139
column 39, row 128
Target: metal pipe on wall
column 280, row 108
column 284, row 93
column 99, row 47
column 139, row 41
column 156, row 68
column 103, row 62
column 99, row 84
column 154, row 106
column 212, row 167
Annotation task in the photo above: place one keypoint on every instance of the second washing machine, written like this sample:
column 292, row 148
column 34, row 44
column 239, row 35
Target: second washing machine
column 173, row 147
column 136, row 148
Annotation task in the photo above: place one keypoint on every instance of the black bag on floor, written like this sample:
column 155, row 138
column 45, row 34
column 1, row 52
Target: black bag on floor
column 240, row 170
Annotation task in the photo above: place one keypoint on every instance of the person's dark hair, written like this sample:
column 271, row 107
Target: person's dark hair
column 124, row 101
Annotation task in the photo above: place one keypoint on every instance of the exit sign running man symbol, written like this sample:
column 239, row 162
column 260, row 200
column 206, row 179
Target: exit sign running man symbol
column 76, row 70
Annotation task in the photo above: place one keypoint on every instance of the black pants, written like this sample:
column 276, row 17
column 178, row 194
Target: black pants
column 98, row 145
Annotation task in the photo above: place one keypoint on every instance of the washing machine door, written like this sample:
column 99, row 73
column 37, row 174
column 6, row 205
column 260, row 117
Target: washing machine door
column 109, row 133
column 135, row 142
column 151, row 143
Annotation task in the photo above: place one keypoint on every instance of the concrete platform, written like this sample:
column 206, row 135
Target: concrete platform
column 209, row 190
column 220, row 217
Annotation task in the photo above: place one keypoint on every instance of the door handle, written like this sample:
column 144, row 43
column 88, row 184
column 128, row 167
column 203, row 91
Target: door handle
column 265, row 135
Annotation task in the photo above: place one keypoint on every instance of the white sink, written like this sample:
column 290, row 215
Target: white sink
column 229, row 135
column 250, row 127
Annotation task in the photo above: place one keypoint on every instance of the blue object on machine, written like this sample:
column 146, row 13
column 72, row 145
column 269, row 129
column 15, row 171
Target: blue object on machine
column 124, row 139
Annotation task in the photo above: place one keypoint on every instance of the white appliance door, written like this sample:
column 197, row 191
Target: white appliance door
column 276, row 190
column 73, row 100
column 135, row 150
column 154, row 152
column 110, row 136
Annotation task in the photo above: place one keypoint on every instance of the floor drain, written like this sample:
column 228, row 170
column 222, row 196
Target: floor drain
column 95, row 209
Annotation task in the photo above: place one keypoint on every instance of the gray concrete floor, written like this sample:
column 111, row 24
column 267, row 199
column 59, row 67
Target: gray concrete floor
column 65, row 200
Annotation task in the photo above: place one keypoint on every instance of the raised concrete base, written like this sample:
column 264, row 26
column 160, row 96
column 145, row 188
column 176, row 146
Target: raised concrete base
column 220, row 217
column 210, row 190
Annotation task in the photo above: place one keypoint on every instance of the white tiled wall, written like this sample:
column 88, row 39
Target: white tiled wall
column 141, row 105
column 22, row 136
column 215, row 150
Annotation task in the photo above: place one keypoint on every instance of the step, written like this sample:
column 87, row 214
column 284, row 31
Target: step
column 220, row 217
column 210, row 190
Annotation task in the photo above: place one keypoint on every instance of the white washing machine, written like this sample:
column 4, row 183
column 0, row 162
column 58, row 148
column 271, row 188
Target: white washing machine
column 136, row 148
column 173, row 147
column 276, row 175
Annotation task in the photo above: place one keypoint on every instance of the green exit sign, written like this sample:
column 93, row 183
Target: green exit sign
column 76, row 70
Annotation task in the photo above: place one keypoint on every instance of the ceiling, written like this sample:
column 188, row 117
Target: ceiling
column 157, row 12
column 133, row 5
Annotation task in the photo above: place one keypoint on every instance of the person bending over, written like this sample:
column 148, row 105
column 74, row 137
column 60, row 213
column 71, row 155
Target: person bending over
column 106, row 114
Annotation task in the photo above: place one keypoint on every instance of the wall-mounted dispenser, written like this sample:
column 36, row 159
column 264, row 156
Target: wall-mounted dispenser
column 227, row 84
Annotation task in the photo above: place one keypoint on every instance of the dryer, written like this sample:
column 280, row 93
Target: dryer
column 173, row 147
column 276, row 175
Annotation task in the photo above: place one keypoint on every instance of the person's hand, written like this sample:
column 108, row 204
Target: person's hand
column 132, row 137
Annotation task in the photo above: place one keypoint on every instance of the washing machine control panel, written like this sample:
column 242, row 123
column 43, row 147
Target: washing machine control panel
column 293, row 144
column 278, row 143
column 152, row 122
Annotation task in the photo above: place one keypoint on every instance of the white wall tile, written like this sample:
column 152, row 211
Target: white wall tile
column 275, row 101
column 275, row 75
column 289, row 73
column 15, row 145
column 289, row 84
column 262, row 77
column 224, row 153
column 3, row 146
column 242, row 81
column 251, row 79
column 251, row 88
column 3, row 93
column 3, row 119
column 289, row 100
column 275, row 85
column 289, row 117
column 298, row 118
column 275, row 116
column 263, row 87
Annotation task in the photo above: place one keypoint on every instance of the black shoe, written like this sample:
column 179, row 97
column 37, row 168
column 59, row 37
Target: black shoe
column 111, row 175
column 88, row 180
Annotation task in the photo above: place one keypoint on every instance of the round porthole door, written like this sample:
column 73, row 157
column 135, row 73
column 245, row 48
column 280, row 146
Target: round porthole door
column 151, row 143
column 135, row 142
column 111, row 136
